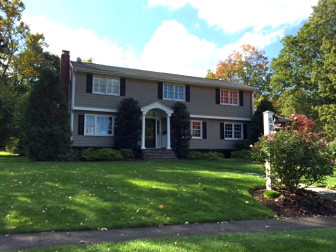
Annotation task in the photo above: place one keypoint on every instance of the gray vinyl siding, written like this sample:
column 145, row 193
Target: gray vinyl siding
column 202, row 99
column 89, row 141
column 213, row 140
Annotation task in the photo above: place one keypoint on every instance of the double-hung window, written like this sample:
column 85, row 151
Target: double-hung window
column 233, row 131
column 229, row 97
column 98, row 125
column 196, row 129
column 107, row 86
column 173, row 92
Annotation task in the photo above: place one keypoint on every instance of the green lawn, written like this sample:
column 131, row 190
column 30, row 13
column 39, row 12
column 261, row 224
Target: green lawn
column 309, row 240
column 41, row 196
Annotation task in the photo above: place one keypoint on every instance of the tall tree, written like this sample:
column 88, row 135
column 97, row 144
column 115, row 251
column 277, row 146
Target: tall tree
column 304, row 72
column 46, row 130
column 257, row 124
column 180, row 129
column 128, row 126
column 248, row 66
column 21, row 58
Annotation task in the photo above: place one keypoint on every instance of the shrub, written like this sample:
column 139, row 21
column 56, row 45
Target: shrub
column 242, row 154
column 128, row 126
column 242, row 144
column 45, row 125
column 180, row 130
column 13, row 145
column 293, row 158
column 127, row 154
column 328, row 199
column 331, row 150
column 103, row 154
column 332, row 186
column 71, row 155
column 197, row 155
column 311, row 200
column 270, row 194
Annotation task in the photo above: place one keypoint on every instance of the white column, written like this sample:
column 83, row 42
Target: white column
column 143, row 136
column 268, row 122
column 168, row 132
column 268, row 129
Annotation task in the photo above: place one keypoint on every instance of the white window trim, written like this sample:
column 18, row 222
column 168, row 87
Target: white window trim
column 174, row 91
column 229, row 98
column 101, row 93
column 201, row 129
column 95, row 124
column 233, row 131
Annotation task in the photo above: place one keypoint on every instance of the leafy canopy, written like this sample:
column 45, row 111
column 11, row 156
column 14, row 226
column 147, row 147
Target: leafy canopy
column 248, row 66
column 304, row 78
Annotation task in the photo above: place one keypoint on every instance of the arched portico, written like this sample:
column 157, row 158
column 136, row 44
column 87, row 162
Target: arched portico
column 157, row 116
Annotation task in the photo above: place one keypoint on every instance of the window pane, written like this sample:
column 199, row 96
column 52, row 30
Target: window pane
column 234, row 97
column 168, row 92
column 102, row 125
column 89, row 130
column 179, row 93
column 96, row 88
column 89, row 120
column 89, row 125
column 196, row 129
column 102, row 89
column 224, row 97
column 228, row 131
column 237, row 131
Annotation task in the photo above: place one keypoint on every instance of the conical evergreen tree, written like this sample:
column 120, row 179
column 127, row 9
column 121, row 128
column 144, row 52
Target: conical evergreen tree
column 180, row 130
column 46, row 130
column 128, row 126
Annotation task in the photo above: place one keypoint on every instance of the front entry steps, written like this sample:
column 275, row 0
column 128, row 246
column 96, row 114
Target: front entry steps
column 158, row 155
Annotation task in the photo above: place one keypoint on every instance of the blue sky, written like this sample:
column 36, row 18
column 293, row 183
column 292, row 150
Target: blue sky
column 177, row 36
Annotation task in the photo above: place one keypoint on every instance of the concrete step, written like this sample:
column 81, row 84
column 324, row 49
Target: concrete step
column 158, row 154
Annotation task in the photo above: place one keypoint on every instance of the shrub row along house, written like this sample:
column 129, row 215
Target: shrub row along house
column 220, row 111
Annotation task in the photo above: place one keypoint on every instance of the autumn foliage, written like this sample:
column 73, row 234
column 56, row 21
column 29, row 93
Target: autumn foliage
column 248, row 66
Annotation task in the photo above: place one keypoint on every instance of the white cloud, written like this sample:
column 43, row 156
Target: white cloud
column 81, row 42
column 171, row 48
column 238, row 15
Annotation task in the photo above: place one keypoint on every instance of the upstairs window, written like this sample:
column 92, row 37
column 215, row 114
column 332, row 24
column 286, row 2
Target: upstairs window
column 98, row 125
column 107, row 86
column 173, row 92
column 229, row 97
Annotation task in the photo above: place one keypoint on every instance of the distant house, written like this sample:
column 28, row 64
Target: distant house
column 220, row 110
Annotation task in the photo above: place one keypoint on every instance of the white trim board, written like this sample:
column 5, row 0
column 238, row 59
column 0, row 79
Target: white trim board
column 95, row 109
column 221, row 117
column 191, row 116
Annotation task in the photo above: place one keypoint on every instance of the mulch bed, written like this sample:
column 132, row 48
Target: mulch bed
column 303, row 203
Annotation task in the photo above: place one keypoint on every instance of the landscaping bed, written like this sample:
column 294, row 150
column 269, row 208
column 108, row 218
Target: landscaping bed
column 302, row 203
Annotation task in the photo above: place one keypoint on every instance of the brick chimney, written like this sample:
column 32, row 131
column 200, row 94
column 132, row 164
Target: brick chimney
column 65, row 72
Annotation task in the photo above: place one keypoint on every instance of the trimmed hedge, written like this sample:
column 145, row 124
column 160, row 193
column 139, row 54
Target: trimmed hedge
column 197, row 155
column 242, row 154
column 105, row 154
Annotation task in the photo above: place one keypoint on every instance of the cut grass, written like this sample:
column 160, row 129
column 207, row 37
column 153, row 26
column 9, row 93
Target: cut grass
column 50, row 196
column 307, row 240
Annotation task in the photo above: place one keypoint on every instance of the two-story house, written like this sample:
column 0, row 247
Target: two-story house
column 220, row 111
